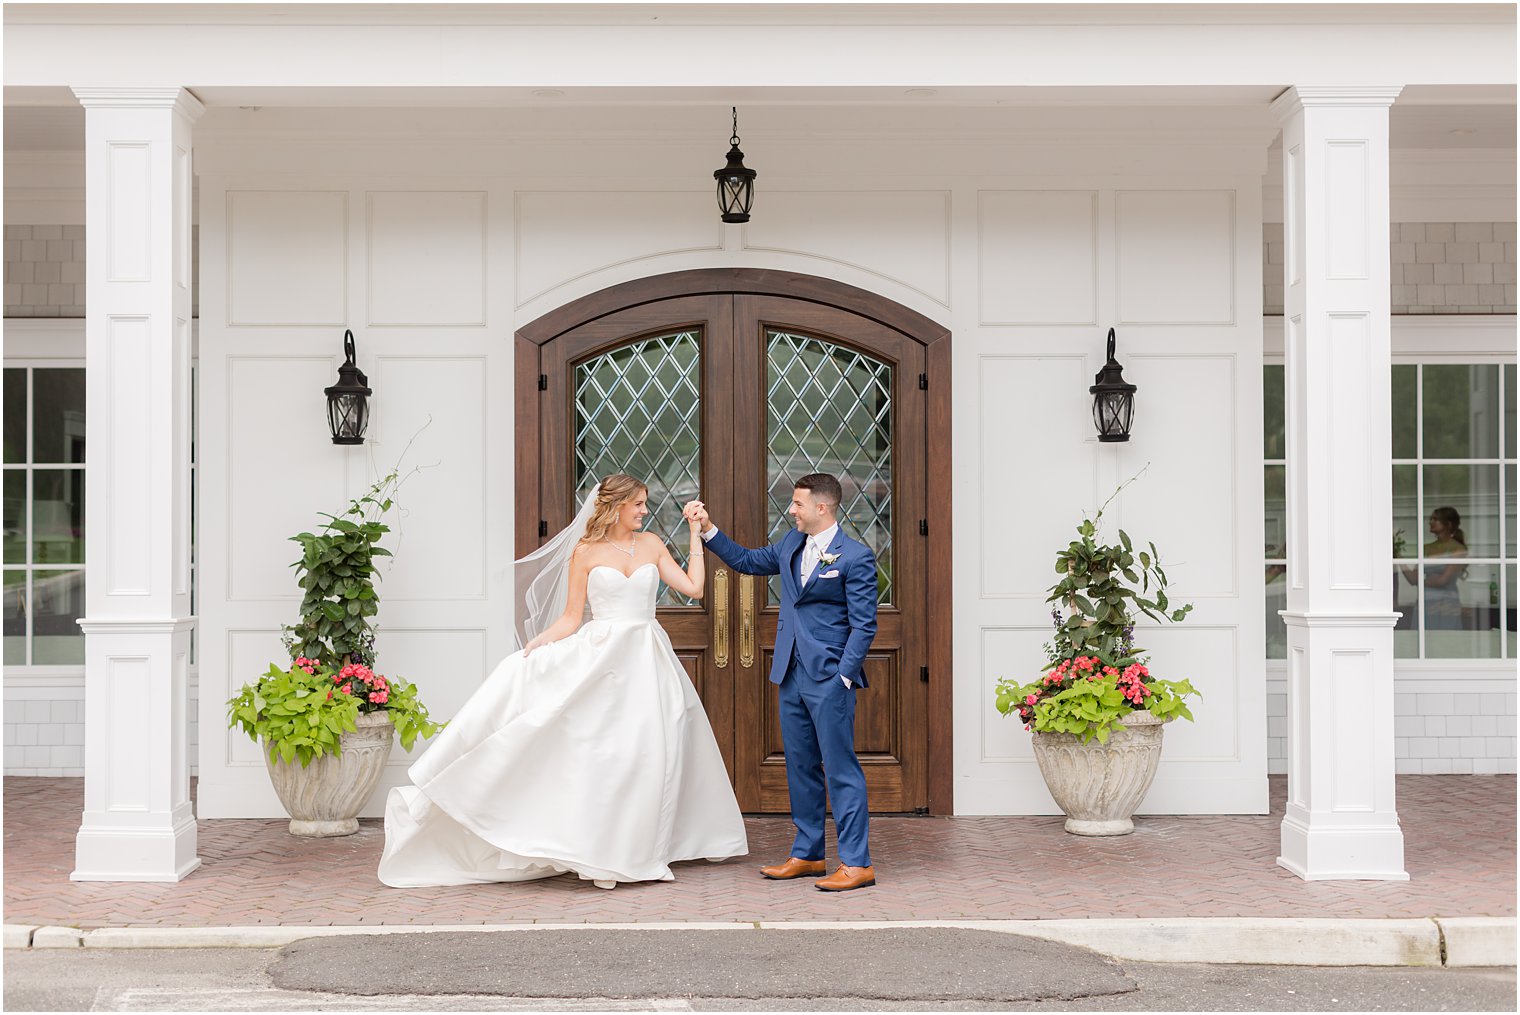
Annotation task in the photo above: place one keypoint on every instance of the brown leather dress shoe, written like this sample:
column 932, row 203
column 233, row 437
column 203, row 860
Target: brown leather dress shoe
column 847, row 879
column 795, row 868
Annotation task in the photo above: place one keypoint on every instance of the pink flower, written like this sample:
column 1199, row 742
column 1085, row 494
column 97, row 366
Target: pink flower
column 347, row 688
column 1031, row 699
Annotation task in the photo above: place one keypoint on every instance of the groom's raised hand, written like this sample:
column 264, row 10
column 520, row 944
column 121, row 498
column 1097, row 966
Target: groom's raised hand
column 696, row 511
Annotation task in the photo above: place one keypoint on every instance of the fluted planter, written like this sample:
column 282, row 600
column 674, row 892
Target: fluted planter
column 1099, row 785
column 325, row 797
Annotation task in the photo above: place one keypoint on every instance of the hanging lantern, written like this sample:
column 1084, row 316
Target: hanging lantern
column 736, row 185
column 347, row 401
column 1113, row 399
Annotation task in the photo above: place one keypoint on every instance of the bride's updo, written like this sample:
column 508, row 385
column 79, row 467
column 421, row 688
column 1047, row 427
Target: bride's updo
column 616, row 490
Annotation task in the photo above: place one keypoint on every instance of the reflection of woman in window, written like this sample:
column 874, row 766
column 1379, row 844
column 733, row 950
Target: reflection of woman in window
column 1443, row 599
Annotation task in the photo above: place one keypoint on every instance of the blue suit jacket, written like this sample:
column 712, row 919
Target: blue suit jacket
column 827, row 626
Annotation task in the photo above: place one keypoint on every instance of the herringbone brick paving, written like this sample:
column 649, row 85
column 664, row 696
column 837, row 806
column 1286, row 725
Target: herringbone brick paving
column 1459, row 836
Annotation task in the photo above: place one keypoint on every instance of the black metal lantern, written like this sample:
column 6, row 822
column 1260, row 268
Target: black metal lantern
column 736, row 185
column 348, row 400
column 1113, row 399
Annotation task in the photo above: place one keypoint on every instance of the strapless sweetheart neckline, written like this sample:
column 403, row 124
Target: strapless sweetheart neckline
column 614, row 570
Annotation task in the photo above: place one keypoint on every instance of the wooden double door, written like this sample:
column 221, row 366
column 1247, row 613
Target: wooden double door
column 728, row 397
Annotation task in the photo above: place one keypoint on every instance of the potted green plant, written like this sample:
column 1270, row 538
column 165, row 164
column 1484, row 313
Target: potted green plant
column 327, row 719
column 1097, row 713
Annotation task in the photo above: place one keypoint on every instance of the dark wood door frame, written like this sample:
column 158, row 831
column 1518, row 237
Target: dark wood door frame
column 934, row 338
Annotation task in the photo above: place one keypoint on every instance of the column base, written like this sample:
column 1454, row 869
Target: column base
column 142, row 853
column 1323, row 851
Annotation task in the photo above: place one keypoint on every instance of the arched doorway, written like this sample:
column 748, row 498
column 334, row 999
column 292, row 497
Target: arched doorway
column 728, row 384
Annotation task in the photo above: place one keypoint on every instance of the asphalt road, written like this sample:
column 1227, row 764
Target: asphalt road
column 907, row 969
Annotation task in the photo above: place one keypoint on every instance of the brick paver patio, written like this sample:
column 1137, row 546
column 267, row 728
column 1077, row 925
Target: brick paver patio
column 1459, row 842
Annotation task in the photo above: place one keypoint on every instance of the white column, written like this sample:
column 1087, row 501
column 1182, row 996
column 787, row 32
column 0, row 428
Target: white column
column 138, row 824
column 1341, row 822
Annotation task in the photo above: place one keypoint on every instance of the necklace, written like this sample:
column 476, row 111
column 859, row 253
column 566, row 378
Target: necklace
column 631, row 543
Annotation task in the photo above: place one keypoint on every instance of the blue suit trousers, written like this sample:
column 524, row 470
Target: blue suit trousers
column 818, row 725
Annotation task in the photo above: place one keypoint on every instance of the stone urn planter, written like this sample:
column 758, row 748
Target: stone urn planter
column 325, row 797
column 1099, row 785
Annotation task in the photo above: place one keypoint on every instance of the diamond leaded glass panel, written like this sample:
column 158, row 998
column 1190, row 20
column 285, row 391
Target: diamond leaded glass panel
column 829, row 409
column 638, row 410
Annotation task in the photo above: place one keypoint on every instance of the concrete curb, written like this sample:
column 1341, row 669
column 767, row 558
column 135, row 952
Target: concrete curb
column 58, row 937
column 1478, row 940
column 1450, row 941
column 18, row 935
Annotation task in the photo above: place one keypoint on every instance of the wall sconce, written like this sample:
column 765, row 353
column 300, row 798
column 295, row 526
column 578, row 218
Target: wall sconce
column 1113, row 399
column 736, row 185
column 347, row 401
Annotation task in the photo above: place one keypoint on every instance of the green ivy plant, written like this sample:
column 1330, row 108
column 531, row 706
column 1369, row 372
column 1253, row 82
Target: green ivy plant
column 337, row 576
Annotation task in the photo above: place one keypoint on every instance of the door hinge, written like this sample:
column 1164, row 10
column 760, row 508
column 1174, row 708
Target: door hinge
column 923, row 382
column 923, row 526
column 543, row 527
column 543, row 382
column 923, row 674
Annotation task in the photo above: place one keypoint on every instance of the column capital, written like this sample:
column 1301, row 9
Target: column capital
column 178, row 99
column 1300, row 97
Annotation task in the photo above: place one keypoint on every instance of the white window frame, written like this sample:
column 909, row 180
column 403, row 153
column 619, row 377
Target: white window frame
column 1434, row 339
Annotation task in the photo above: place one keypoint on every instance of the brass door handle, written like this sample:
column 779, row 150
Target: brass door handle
column 720, row 618
column 747, row 621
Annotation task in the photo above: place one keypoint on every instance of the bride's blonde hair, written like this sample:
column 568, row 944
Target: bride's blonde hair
column 616, row 490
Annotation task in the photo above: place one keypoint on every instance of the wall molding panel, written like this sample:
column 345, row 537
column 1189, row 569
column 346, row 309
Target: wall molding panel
column 287, row 257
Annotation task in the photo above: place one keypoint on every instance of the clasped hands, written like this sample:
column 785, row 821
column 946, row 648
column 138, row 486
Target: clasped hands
column 695, row 512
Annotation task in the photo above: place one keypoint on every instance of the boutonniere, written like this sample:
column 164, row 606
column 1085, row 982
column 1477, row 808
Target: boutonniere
column 829, row 558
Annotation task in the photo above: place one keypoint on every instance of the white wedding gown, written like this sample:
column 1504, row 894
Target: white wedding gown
column 591, row 755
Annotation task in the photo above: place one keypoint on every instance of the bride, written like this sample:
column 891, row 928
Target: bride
column 587, row 751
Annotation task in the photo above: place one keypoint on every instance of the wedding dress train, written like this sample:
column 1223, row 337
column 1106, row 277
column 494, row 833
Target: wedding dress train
column 591, row 755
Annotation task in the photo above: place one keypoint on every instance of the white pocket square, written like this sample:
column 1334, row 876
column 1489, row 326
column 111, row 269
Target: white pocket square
column 829, row 574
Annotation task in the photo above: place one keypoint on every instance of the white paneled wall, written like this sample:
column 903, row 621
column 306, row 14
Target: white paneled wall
column 903, row 235
column 436, row 263
column 1174, row 269
column 1037, row 257
column 422, row 276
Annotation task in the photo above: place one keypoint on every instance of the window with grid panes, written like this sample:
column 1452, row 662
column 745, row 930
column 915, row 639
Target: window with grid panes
column 44, row 515
column 1453, row 553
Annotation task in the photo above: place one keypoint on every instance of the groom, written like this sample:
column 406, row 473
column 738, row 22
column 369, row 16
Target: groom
column 827, row 621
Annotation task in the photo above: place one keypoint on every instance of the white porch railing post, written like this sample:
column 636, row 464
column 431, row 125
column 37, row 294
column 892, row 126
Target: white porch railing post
column 138, row 824
column 1341, row 822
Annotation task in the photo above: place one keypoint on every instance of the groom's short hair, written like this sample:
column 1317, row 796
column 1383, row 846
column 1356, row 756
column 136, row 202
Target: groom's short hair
column 823, row 487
